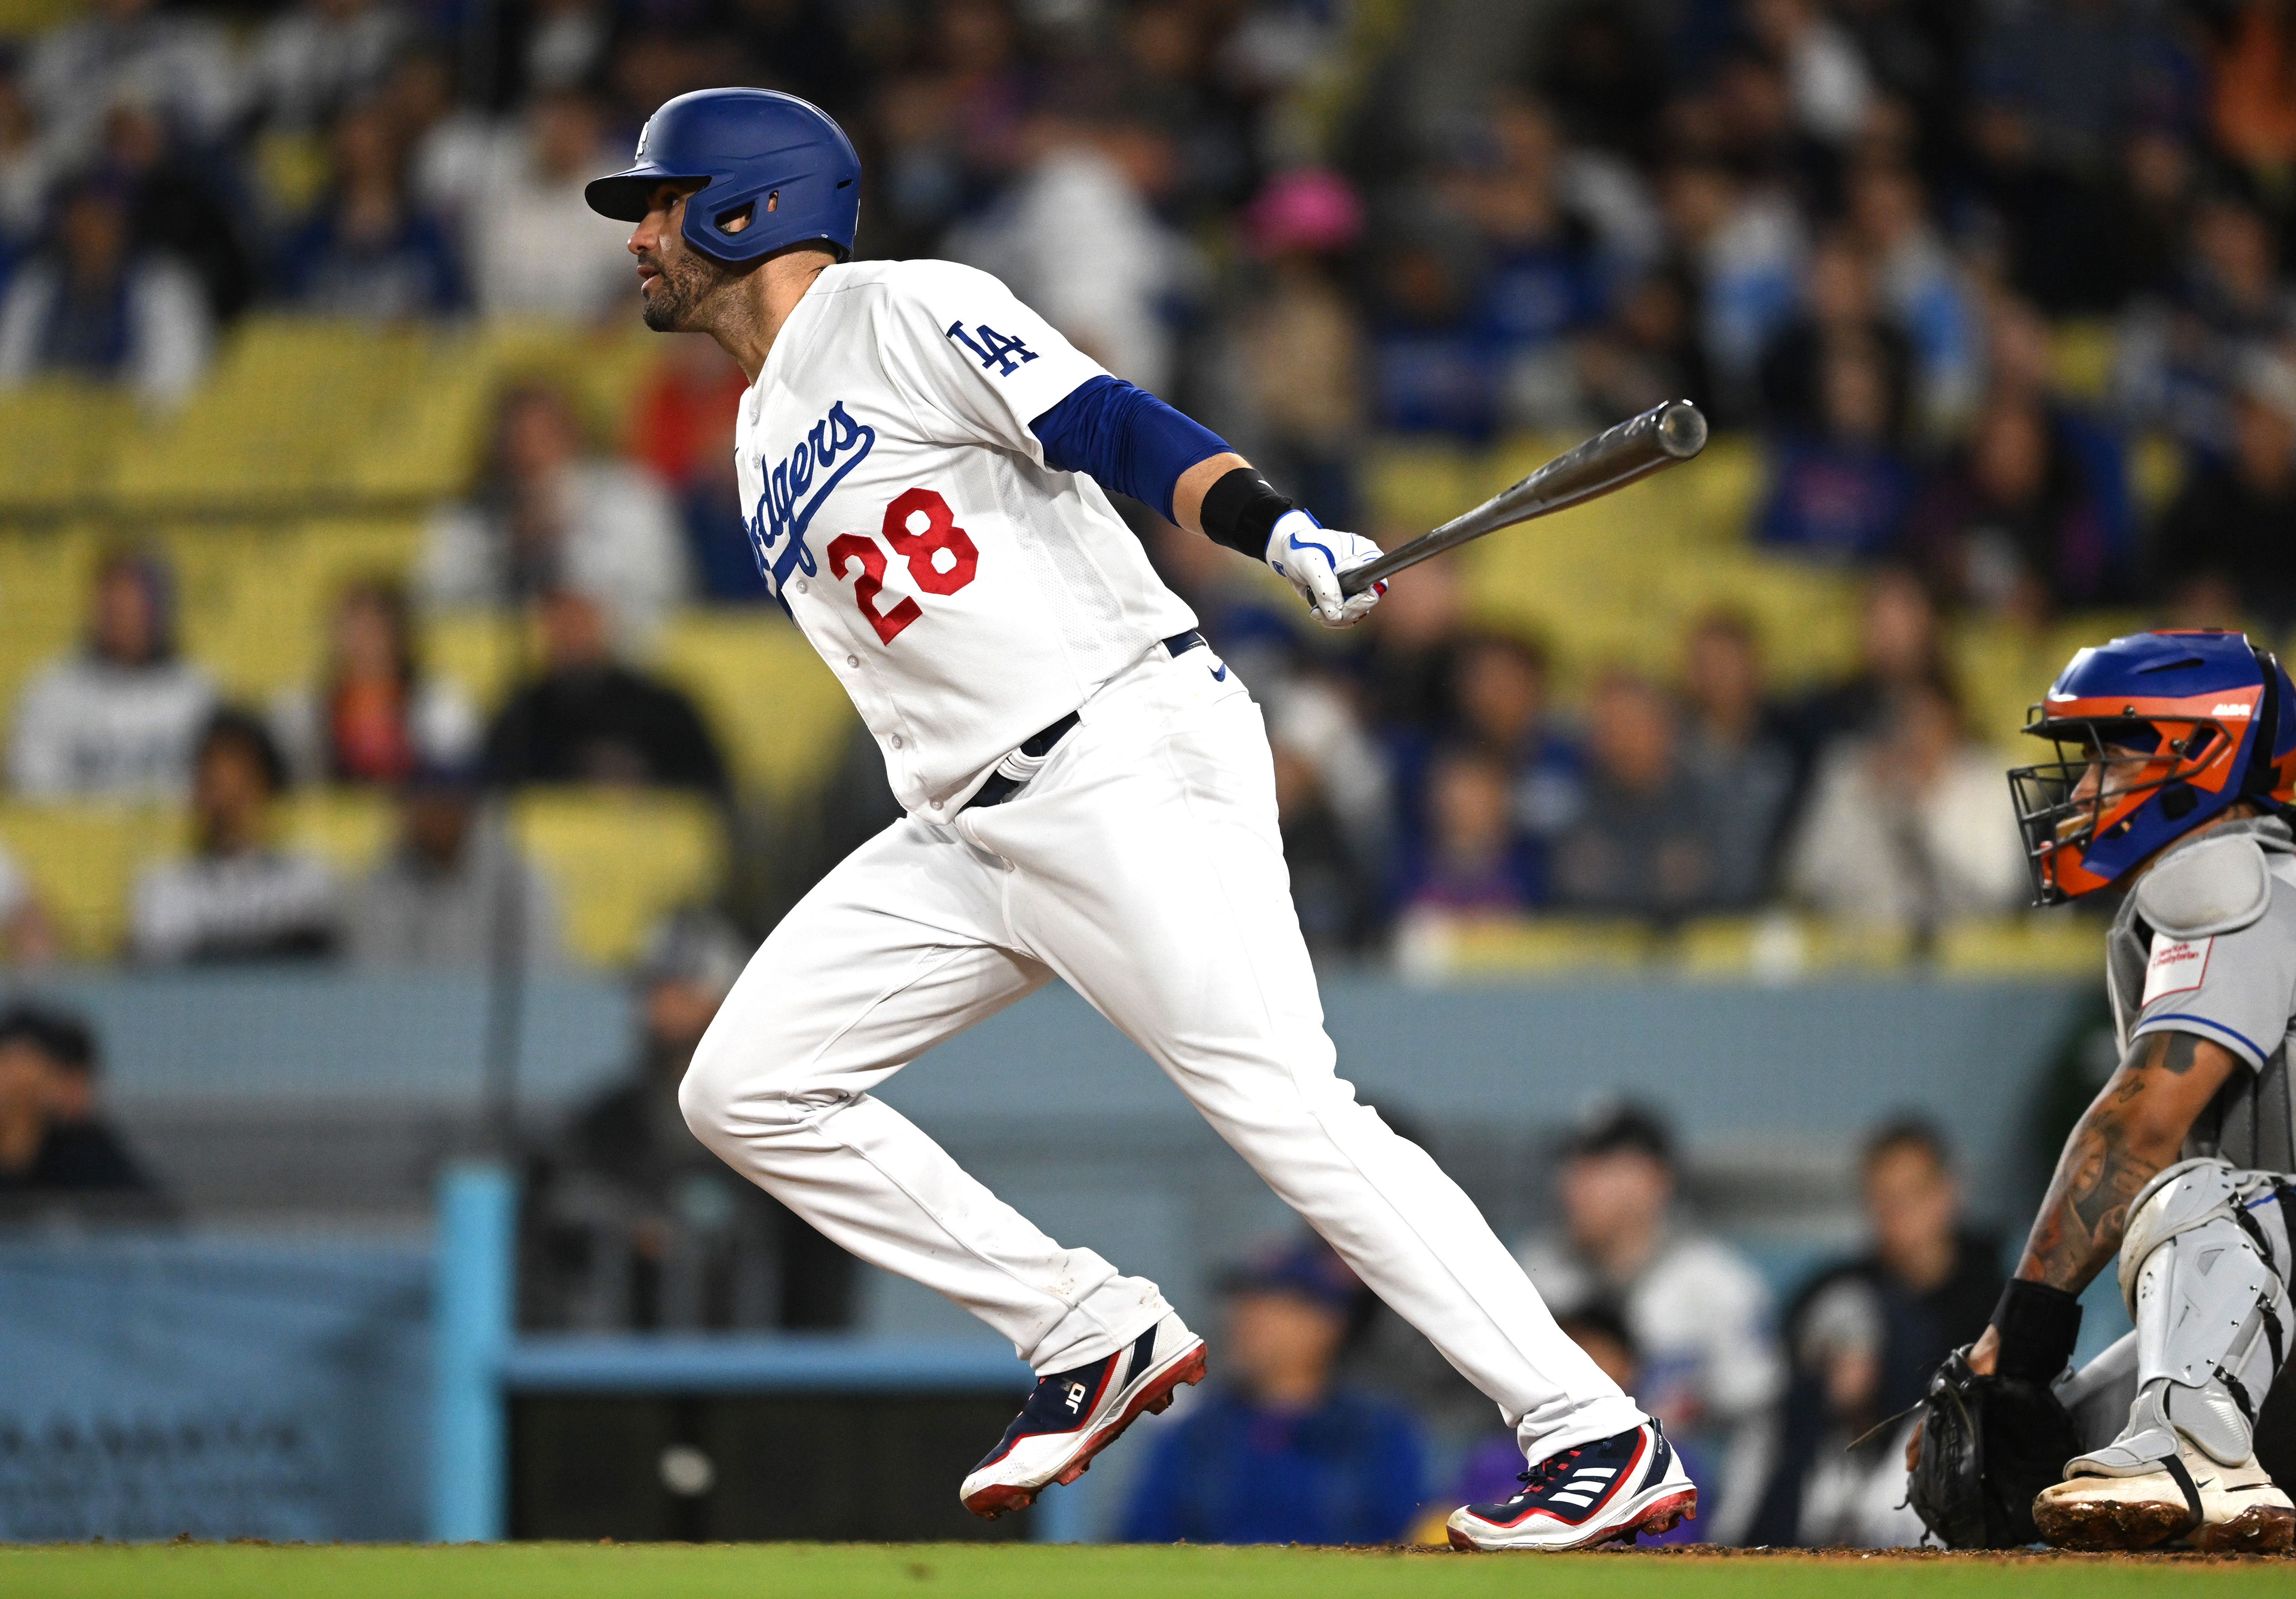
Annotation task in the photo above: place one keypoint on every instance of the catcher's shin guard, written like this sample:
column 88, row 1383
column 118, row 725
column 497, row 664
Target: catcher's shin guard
column 2203, row 1268
column 2203, row 1271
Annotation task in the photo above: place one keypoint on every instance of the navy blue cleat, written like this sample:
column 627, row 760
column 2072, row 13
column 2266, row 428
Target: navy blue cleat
column 1073, row 1416
column 1612, row 1491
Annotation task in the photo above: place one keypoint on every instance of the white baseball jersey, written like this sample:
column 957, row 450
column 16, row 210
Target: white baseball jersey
column 969, row 596
column 966, row 595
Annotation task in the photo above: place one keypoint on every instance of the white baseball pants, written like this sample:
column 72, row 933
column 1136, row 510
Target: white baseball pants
column 1142, row 865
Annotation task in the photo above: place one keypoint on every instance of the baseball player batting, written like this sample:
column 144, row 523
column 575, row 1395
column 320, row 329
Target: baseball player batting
column 2177, row 773
column 1088, row 796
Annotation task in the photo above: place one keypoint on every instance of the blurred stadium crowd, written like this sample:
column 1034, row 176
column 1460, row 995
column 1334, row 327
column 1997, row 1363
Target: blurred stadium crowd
column 371, row 591
column 1988, row 296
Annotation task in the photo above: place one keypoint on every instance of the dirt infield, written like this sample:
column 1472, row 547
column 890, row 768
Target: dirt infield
column 185, row 1570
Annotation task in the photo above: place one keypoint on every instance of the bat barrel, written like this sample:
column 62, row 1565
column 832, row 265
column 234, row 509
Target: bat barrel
column 1664, row 436
column 1681, row 429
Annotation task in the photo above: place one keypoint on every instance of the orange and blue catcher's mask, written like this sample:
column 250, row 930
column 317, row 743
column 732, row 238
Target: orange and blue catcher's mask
column 2155, row 733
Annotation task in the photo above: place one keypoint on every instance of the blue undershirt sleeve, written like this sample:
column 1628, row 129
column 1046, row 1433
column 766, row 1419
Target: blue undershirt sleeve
column 1127, row 438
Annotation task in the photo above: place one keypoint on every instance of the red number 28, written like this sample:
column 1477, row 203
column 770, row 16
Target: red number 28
column 923, row 548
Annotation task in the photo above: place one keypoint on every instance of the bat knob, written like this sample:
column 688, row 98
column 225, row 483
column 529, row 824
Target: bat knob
column 1681, row 430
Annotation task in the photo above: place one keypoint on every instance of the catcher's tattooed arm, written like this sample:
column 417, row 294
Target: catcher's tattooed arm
column 2136, row 1125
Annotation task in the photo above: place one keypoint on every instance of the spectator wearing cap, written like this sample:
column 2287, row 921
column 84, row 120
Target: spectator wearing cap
column 1299, row 346
column 455, row 891
column 1698, row 1313
column 1864, row 1337
column 117, row 719
column 52, row 1142
column 92, row 307
column 238, row 896
column 1279, row 1453
column 378, row 717
column 632, row 1223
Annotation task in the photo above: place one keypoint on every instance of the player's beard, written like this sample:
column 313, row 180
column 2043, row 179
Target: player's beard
column 683, row 284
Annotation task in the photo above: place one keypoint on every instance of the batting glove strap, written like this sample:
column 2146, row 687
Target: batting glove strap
column 2038, row 1325
column 1241, row 511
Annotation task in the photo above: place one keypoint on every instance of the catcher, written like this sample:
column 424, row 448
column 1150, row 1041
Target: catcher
column 2177, row 768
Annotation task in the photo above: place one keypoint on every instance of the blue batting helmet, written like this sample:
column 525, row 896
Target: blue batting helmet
column 2155, row 733
column 776, row 166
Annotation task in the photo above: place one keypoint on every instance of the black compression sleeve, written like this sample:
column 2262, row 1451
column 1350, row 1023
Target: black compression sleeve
column 1240, row 510
column 2038, row 1325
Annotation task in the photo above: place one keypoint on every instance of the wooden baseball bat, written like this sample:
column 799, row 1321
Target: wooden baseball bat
column 1661, row 436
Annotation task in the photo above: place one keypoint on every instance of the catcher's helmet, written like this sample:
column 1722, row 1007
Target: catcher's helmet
column 778, row 161
column 2155, row 733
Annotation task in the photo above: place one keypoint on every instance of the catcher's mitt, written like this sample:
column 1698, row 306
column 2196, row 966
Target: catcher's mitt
column 1988, row 1445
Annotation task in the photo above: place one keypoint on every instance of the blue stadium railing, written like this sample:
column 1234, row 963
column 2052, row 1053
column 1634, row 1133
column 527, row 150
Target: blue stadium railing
column 481, row 1361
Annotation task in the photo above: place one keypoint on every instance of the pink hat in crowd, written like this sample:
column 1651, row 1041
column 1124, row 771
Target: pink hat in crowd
column 1310, row 209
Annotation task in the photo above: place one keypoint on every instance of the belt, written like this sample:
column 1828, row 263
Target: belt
column 1002, row 785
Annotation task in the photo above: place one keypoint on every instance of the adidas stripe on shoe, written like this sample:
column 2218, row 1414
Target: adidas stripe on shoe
column 1612, row 1491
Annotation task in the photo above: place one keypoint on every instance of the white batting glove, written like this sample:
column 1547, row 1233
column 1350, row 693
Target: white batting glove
column 1311, row 557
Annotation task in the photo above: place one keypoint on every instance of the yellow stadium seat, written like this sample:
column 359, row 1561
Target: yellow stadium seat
column 256, row 597
column 282, row 419
column 348, row 828
column 2081, row 355
column 22, row 19
column 1857, row 946
column 1411, row 487
column 1774, row 947
column 1999, row 669
column 2042, row 944
column 782, row 715
column 82, row 859
column 43, row 580
column 622, row 861
column 1805, row 615
column 58, row 442
column 1447, row 947
column 482, row 653
column 1780, row 946
column 434, row 446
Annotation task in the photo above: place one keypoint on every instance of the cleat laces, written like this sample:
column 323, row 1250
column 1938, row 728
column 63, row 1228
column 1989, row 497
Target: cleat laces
column 1545, row 1474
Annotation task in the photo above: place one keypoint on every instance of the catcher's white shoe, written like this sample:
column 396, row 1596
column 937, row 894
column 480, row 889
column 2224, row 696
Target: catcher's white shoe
column 2219, row 1508
column 1599, row 1493
column 1073, row 1416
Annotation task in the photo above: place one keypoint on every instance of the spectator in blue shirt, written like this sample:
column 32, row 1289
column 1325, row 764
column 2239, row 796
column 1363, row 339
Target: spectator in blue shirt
column 1841, row 492
column 1283, row 1455
column 370, row 253
column 1433, row 369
